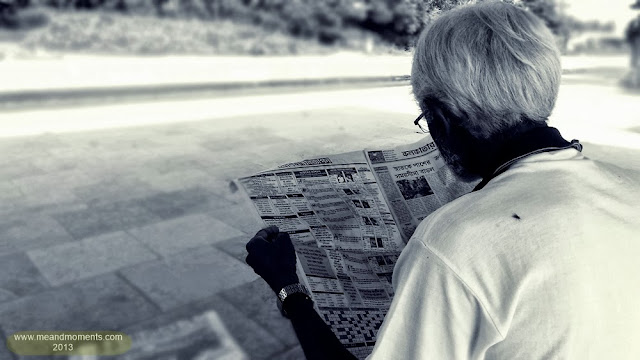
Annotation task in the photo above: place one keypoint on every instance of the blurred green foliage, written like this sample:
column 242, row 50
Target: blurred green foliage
column 396, row 22
column 115, row 34
column 15, row 14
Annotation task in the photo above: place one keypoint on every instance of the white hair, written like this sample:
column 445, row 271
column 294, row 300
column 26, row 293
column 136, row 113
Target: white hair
column 492, row 64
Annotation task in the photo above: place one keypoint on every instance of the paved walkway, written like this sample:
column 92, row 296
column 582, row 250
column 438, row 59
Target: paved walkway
column 114, row 228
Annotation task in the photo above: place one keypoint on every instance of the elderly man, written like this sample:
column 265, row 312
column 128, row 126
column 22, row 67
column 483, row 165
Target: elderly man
column 541, row 260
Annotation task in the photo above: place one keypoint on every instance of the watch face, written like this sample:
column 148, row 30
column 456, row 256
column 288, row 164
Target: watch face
column 282, row 294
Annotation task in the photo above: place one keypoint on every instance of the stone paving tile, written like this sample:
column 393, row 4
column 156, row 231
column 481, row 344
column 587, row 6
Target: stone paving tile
column 105, row 218
column 107, row 164
column 180, row 180
column 30, row 144
column 52, row 209
column 175, row 235
column 231, row 154
column 11, row 145
column 19, row 156
column 271, row 156
column 184, row 146
column 66, row 159
column 119, row 172
column 173, row 163
column 227, row 156
column 226, row 189
column 5, row 353
column 179, row 130
column 101, row 303
column 48, row 197
column 208, row 159
column 51, row 163
column 258, row 343
column 53, row 182
column 102, row 143
column 188, row 276
column 113, row 190
column 7, row 207
column 29, row 231
column 234, row 170
column 124, row 159
column 235, row 247
column 258, row 302
column 203, row 336
column 241, row 216
column 71, row 151
column 124, row 141
column 245, row 140
column 18, row 169
column 19, row 210
column 19, row 277
column 168, row 205
column 188, row 137
column 61, row 158
column 89, row 257
column 115, row 139
column 176, row 180
column 294, row 353
column 6, row 295
column 58, row 198
column 8, row 191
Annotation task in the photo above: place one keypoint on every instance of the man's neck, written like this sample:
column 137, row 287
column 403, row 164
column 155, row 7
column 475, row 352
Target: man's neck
column 489, row 158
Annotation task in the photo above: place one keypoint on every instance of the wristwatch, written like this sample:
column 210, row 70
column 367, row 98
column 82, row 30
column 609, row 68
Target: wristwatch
column 289, row 290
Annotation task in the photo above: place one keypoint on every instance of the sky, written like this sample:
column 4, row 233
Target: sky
column 603, row 10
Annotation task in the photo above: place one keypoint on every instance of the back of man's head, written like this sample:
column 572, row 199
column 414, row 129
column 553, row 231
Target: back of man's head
column 492, row 64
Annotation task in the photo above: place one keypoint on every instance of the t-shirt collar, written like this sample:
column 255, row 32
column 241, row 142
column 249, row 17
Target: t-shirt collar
column 534, row 141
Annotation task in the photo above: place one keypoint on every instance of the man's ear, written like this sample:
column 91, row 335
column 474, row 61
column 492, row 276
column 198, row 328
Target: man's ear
column 439, row 121
column 449, row 133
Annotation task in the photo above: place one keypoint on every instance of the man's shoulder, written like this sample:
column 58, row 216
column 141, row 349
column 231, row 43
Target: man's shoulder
column 476, row 209
column 511, row 205
column 465, row 221
column 521, row 202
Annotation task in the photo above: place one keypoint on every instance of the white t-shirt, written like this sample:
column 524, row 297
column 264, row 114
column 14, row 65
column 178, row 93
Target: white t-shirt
column 543, row 263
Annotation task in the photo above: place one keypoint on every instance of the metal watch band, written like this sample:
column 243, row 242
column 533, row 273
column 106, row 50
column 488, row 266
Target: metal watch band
column 292, row 289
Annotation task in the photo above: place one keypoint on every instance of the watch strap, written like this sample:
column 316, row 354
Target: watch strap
column 292, row 289
column 291, row 292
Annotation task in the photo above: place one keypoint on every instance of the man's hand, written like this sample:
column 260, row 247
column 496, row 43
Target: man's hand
column 271, row 256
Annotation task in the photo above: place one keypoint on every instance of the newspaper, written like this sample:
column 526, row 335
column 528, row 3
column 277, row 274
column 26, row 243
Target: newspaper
column 349, row 217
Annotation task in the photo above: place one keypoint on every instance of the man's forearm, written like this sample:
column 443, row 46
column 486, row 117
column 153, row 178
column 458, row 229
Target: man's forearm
column 315, row 336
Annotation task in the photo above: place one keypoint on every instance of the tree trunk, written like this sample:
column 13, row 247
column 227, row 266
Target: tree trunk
column 635, row 53
column 632, row 80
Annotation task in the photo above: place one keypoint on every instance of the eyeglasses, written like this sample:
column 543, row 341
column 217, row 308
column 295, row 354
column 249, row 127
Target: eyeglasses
column 421, row 122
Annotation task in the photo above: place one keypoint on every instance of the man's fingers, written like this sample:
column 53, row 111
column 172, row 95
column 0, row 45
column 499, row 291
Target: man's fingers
column 283, row 239
column 268, row 233
column 256, row 243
